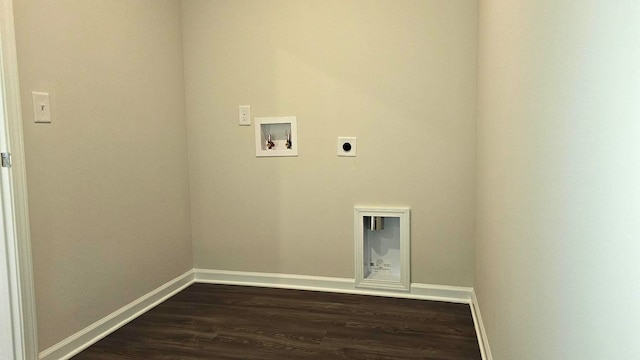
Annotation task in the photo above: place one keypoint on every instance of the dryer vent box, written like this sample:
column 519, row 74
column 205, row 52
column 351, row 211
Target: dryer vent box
column 382, row 248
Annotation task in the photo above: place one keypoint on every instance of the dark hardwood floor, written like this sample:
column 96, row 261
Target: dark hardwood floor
column 234, row 322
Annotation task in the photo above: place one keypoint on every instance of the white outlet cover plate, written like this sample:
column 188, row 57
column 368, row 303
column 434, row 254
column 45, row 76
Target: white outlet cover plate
column 343, row 147
column 244, row 115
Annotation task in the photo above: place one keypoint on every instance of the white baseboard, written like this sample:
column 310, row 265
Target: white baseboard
column 483, row 342
column 81, row 340
column 455, row 294
column 98, row 330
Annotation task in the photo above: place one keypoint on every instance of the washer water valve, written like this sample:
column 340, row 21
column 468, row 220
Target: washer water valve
column 288, row 144
column 270, row 144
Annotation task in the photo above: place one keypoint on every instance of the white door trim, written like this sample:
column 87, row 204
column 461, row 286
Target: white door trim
column 15, row 204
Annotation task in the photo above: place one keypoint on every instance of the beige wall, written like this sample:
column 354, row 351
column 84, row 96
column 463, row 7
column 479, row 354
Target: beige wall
column 109, row 195
column 557, row 195
column 399, row 75
column 558, row 230
column 108, row 184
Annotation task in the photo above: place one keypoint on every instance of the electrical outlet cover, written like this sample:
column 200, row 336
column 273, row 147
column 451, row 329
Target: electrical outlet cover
column 244, row 115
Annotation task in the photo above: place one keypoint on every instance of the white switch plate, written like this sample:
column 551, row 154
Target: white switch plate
column 41, row 107
column 347, row 146
column 244, row 115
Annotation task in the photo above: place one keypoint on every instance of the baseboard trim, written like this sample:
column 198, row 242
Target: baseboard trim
column 483, row 342
column 455, row 294
column 83, row 339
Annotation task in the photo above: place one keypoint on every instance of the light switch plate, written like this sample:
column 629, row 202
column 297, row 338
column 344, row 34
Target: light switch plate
column 347, row 146
column 41, row 107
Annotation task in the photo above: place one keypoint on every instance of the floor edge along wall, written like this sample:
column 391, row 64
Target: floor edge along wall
column 98, row 330
column 112, row 322
column 483, row 342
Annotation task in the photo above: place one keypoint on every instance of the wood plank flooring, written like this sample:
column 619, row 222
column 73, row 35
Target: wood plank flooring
column 234, row 322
